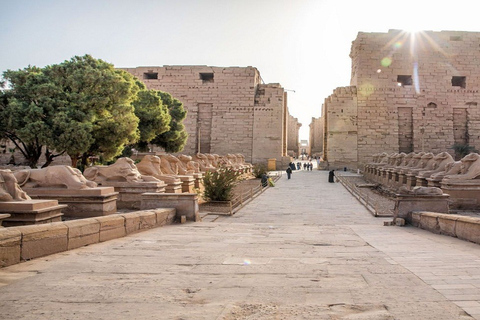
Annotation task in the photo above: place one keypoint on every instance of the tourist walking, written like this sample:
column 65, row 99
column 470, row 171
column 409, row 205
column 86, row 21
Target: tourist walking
column 289, row 172
column 264, row 180
column 331, row 176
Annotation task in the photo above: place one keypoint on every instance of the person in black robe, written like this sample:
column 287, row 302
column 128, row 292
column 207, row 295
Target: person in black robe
column 331, row 176
column 289, row 172
column 292, row 165
column 264, row 180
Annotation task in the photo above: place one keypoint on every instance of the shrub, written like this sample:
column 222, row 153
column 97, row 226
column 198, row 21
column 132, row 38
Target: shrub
column 219, row 184
column 461, row 150
column 259, row 170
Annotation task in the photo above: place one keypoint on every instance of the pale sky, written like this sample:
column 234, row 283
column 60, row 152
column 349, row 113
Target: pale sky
column 302, row 44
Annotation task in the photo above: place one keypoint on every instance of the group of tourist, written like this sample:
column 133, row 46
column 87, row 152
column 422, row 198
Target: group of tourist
column 308, row 166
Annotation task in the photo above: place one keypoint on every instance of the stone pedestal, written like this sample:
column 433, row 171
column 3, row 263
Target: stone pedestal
column 405, row 204
column 82, row 203
column 434, row 182
column 174, row 187
column 391, row 177
column 3, row 216
column 421, row 182
column 129, row 193
column 402, row 179
column 463, row 194
column 30, row 212
column 198, row 180
column 188, row 184
column 411, row 180
column 186, row 204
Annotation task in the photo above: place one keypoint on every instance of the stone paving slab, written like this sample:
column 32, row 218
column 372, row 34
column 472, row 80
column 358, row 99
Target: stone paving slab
column 305, row 249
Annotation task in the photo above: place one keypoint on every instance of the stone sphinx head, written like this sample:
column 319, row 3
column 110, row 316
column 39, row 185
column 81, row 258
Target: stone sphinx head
column 124, row 169
column 467, row 162
column 184, row 158
column 399, row 158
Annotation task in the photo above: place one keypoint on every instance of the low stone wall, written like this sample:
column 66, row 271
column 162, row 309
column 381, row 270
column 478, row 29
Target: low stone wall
column 29, row 242
column 186, row 204
column 462, row 227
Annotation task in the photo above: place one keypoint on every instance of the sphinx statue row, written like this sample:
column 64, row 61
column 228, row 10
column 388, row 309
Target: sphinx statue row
column 100, row 190
column 167, row 168
column 422, row 169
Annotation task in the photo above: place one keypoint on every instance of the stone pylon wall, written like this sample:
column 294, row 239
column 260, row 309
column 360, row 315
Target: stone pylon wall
column 316, row 136
column 270, row 114
column 228, row 109
column 293, row 138
column 340, row 123
column 412, row 94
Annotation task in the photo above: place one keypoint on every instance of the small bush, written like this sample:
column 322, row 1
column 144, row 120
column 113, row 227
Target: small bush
column 259, row 170
column 461, row 150
column 219, row 184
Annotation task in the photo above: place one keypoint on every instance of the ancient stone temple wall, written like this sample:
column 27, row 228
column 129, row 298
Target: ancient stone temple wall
column 293, row 138
column 316, row 136
column 340, row 125
column 270, row 114
column 414, row 92
column 229, row 110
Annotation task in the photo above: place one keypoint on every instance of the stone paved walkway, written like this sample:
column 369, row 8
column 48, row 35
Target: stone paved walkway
column 305, row 249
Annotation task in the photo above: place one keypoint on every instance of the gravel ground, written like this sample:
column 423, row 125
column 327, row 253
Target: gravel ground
column 382, row 201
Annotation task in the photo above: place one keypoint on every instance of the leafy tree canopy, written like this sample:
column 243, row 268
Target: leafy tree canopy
column 154, row 116
column 82, row 106
column 173, row 140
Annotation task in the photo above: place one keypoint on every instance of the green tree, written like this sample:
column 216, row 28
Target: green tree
column 154, row 117
column 27, row 112
column 101, row 98
column 173, row 140
column 82, row 106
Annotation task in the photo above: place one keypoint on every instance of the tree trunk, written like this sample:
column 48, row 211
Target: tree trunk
column 85, row 160
column 74, row 160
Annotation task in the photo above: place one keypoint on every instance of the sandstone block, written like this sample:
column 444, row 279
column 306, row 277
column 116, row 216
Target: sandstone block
column 165, row 216
column 468, row 228
column 111, row 227
column 428, row 221
column 42, row 240
column 447, row 224
column 132, row 222
column 135, row 221
column 10, row 242
column 82, row 232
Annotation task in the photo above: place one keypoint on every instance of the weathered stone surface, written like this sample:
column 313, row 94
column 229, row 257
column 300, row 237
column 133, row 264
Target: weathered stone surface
column 404, row 204
column 129, row 194
column 82, row 232
column 42, row 240
column 10, row 241
column 447, row 224
column 165, row 216
column 429, row 222
column 468, row 228
column 135, row 221
column 82, row 203
column 381, row 111
column 186, row 204
column 231, row 112
column 111, row 227
column 30, row 212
